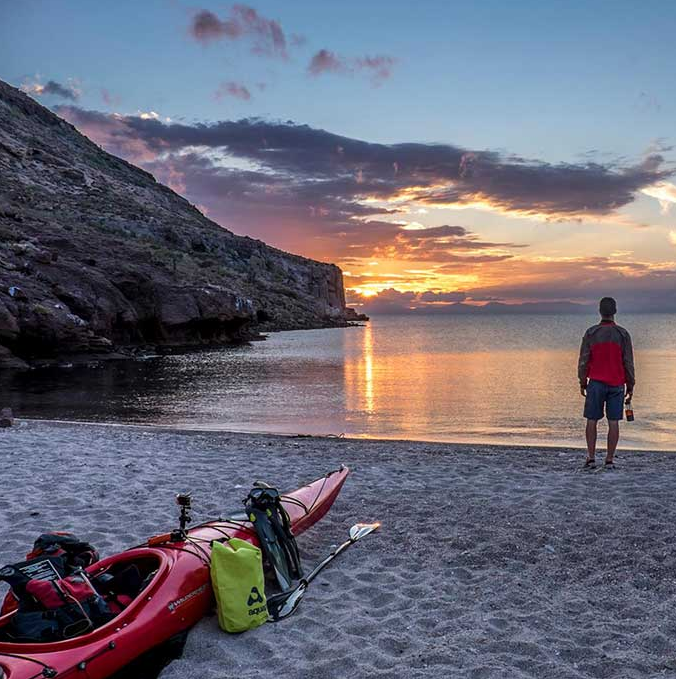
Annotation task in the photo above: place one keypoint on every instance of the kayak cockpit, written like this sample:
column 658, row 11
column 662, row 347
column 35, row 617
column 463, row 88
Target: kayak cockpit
column 122, row 581
column 119, row 582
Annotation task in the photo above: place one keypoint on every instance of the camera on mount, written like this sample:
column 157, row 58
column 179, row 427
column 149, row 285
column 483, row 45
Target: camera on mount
column 184, row 500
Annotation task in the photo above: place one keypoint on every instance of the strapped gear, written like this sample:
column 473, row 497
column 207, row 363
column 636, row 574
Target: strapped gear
column 265, row 510
column 51, row 592
column 76, row 553
column 65, row 554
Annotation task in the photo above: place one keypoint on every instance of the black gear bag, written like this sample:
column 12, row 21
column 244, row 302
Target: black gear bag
column 273, row 527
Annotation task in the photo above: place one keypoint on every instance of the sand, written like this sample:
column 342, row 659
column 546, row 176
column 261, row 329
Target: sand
column 491, row 562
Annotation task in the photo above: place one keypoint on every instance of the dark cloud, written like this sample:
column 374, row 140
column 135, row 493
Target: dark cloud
column 325, row 61
column 562, row 191
column 393, row 301
column 388, row 301
column 314, row 185
column 207, row 27
column 232, row 89
column 380, row 67
column 243, row 21
column 443, row 297
column 59, row 90
column 52, row 88
column 440, row 243
column 304, row 189
column 270, row 37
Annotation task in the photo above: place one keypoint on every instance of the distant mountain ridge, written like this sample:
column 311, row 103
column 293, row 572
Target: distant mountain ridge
column 96, row 255
column 488, row 309
column 522, row 308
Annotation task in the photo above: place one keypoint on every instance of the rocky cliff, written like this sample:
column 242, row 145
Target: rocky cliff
column 96, row 255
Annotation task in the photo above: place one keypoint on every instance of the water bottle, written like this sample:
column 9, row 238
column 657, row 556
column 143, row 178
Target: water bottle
column 629, row 412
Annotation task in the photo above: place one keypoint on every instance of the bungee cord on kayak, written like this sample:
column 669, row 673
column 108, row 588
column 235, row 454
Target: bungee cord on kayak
column 311, row 507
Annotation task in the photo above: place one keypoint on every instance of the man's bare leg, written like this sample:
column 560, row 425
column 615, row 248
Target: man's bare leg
column 590, row 433
column 613, row 438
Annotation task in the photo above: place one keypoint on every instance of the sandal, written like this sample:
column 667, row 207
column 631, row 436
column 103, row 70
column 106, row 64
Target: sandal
column 590, row 463
column 609, row 465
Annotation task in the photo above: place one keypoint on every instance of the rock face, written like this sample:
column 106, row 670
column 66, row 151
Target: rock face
column 96, row 255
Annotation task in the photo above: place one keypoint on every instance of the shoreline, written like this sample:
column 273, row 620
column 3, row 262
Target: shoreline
column 491, row 561
column 187, row 429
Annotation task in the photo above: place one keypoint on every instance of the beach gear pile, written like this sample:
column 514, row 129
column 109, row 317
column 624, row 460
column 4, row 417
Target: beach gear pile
column 133, row 609
column 55, row 599
column 238, row 568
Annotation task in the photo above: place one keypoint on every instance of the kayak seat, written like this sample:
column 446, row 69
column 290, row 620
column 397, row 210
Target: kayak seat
column 127, row 581
column 119, row 589
column 121, row 583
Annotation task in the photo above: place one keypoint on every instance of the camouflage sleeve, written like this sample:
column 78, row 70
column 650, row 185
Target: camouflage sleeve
column 628, row 360
column 583, row 362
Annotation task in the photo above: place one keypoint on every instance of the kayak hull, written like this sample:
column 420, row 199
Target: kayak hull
column 176, row 598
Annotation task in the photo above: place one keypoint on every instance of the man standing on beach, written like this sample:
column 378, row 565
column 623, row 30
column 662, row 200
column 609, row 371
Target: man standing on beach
column 606, row 365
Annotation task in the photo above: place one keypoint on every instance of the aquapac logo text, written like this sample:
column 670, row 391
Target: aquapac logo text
column 255, row 597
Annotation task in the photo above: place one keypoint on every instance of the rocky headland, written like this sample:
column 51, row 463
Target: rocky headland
column 99, row 259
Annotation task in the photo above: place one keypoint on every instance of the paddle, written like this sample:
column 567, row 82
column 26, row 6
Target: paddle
column 282, row 605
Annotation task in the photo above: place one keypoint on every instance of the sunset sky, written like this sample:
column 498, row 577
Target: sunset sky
column 437, row 151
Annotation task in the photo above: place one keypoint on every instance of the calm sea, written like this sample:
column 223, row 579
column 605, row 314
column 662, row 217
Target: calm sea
column 492, row 379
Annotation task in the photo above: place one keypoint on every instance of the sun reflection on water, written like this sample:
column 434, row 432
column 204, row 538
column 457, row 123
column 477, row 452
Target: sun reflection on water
column 359, row 381
column 368, row 369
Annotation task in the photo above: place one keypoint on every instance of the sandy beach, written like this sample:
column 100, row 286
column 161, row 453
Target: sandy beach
column 491, row 561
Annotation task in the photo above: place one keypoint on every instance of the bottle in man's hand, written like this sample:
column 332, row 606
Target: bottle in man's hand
column 629, row 411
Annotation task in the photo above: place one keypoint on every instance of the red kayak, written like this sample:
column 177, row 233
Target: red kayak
column 176, row 593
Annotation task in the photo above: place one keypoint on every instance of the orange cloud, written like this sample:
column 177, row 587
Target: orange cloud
column 640, row 285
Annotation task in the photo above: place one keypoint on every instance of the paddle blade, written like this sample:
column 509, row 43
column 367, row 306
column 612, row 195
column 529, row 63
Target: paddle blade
column 360, row 530
column 283, row 605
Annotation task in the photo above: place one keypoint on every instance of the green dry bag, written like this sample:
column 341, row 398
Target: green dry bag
column 239, row 585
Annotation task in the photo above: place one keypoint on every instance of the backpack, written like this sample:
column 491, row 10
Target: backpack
column 76, row 553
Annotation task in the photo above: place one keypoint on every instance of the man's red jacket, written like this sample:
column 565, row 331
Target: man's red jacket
column 606, row 355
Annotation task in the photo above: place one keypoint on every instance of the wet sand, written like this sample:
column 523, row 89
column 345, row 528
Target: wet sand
column 491, row 562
